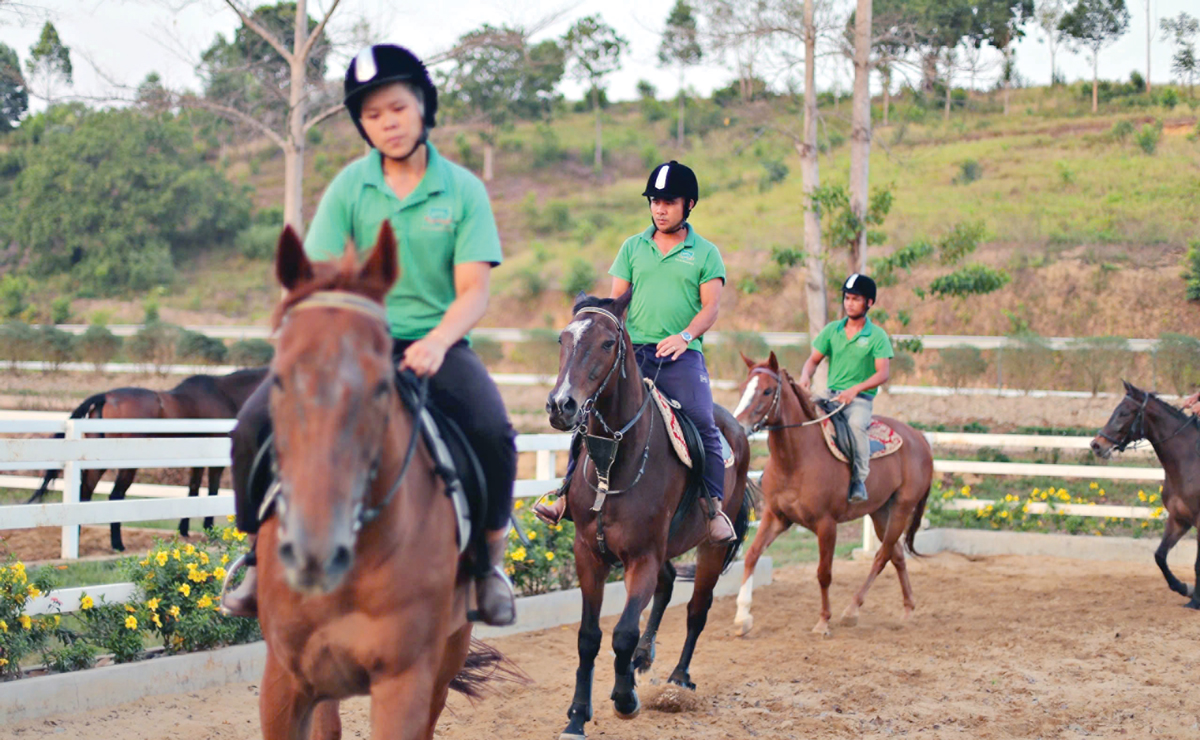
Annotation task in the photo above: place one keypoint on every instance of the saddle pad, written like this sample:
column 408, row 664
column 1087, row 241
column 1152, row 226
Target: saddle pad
column 668, row 407
column 884, row 439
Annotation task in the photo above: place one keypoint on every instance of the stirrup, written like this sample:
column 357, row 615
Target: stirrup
column 538, row 503
column 238, row 564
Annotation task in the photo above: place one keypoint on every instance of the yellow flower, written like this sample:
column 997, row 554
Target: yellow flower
column 157, row 621
column 3, row 626
column 224, row 559
column 549, row 556
column 175, row 553
column 57, row 620
column 231, row 518
column 129, row 608
column 518, row 505
column 1141, row 495
column 558, row 527
column 131, row 622
column 966, row 491
column 519, row 554
column 219, row 573
column 199, row 576
column 203, row 558
column 34, row 592
column 173, row 611
column 532, row 535
column 1093, row 485
column 239, row 535
column 153, row 604
column 204, row 602
column 189, row 550
column 86, row 603
column 145, row 562
column 186, row 590
column 3, row 662
column 25, row 621
column 191, row 566
column 161, row 559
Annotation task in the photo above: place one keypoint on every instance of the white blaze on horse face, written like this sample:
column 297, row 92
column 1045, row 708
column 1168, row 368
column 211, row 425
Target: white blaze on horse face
column 747, row 397
column 576, row 330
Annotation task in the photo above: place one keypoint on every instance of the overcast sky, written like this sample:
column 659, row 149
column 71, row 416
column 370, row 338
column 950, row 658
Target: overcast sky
column 127, row 39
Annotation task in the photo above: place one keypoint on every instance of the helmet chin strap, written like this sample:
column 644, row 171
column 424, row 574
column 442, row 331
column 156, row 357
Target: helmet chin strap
column 682, row 225
column 424, row 137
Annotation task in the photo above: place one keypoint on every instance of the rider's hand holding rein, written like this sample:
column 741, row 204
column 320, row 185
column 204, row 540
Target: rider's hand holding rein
column 472, row 284
column 673, row 346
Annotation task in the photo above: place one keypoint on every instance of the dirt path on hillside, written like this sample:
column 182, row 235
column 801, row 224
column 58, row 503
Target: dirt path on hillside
column 1004, row 647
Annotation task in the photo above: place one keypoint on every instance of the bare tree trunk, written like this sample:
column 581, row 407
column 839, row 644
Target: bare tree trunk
column 293, row 150
column 598, row 165
column 885, row 71
column 1148, row 34
column 811, row 177
column 1095, row 80
column 489, row 160
column 679, row 127
column 1053, row 70
column 860, row 131
column 1007, row 76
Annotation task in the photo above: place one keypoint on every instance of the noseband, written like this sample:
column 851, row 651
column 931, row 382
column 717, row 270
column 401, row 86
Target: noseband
column 762, row 425
column 336, row 300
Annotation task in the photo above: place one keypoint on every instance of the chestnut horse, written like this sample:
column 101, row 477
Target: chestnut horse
column 600, row 389
column 196, row 397
column 361, row 588
column 1175, row 437
column 803, row 483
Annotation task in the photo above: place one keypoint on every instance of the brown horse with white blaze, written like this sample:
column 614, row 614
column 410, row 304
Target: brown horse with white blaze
column 362, row 588
column 1175, row 437
column 600, row 391
column 803, row 483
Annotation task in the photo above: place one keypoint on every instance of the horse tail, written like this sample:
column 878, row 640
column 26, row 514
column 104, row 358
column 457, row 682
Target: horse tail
column 910, row 537
column 485, row 664
column 83, row 410
column 741, row 523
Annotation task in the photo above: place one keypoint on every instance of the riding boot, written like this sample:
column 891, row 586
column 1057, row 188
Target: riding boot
column 858, row 492
column 243, row 600
column 720, row 529
column 494, row 592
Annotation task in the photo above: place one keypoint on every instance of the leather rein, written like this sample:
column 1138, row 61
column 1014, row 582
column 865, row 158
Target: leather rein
column 762, row 426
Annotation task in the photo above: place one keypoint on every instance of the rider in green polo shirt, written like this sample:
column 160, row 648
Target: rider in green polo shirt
column 448, row 245
column 859, row 355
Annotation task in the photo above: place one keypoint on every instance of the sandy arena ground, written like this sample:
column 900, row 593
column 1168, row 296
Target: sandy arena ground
column 1004, row 647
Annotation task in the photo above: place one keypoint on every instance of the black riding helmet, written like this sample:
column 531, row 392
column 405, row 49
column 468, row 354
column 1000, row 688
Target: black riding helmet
column 674, row 180
column 859, row 284
column 381, row 65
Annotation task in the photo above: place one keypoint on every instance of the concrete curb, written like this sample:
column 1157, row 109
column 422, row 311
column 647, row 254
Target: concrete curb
column 99, row 688
column 1081, row 547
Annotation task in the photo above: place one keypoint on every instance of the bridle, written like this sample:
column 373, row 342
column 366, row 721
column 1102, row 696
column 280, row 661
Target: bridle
column 363, row 515
column 1137, row 428
column 761, row 425
column 602, row 451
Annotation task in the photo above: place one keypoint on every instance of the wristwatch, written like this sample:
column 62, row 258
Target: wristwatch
column 686, row 336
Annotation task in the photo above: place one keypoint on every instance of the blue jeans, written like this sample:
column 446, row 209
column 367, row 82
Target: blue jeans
column 686, row 380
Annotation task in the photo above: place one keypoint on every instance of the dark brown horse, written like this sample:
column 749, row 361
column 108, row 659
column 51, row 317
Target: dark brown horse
column 361, row 588
column 803, row 483
column 197, row 397
column 599, row 386
column 1175, row 437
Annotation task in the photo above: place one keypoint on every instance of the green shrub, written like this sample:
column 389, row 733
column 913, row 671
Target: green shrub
column 723, row 357
column 20, row 634
column 968, row 172
column 774, row 172
column 959, row 364
column 98, row 346
column 1177, row 362
column 1149, row 137
column 55, row 346
column 547, row 152
column 60, row 310
column 251, row 353
column 14, row 295
column 974, row 279
column 580, row 278
column 1028, row 362
column 1169, row 98
column 192, row 346
column 154, row 345
column 18, row 342
column 1096, row 360
column 548, row 562
column 531, row 282
column 1191, row 272
column 258, row 242
column 1122, row 130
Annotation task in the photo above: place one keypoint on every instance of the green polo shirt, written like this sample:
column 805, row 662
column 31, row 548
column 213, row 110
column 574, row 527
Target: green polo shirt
column 446, row 221
column 852, row 361
column 666, row 288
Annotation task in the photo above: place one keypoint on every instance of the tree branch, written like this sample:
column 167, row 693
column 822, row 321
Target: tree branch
column 311, row 41
column 261, row 30
column 193, row 101
column 327, row 113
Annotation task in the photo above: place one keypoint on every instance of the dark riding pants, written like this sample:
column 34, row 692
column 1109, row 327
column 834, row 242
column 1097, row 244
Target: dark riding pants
column 461, row 389
column 686, row 380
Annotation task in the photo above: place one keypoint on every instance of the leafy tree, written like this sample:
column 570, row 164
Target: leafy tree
column 499, row 77
column 49, row 63
column 1191, row 273
column 192, row 346
column 958, row 364
column 14, row 97
column 1049, row 15
column 55, row 346
column 1182, row 30
column 251, row 353
column 680, row 46
column 98, row 346
column 973, row 279
column 1177, row 361
column 843, row 228
column 113, row 197
column 1099, row 359
column 1002, row 22
column 593, row 51
column 1093, row 25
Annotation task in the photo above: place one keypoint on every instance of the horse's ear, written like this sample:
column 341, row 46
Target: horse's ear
column 621, row 304
column 381, row 266
column 773, row 362
column 292, row 266
column 749, row 363
column 580, row 297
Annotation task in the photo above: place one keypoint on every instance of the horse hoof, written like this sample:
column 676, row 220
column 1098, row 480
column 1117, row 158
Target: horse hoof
column 1193, row 604
column 683, row 684
column 642, row 662
column 637, row 708
column 743, row 627
column 822, row 629
column 572, row 736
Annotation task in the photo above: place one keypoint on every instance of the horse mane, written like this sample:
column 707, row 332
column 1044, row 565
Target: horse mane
column 342, row 274
column 806, row 403
column 593, row 301
column 1171, row 408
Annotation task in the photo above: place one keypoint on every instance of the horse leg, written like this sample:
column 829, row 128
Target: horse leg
column 326, row 722
column 901, row 565
column 592, row 573
column 400, row 704
column 1172, row 532
column 214, row 486
column 643, row 657
column 120, row 486
column 641, row 578
column 458, row 648
column 193, row 491
column 771, row 526
column 826, row 542
column 897, row 520
column 284, row 710
column 708, row 570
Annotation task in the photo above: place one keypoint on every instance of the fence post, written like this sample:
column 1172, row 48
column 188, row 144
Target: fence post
column 70, row 495
column 870, row 543
column 546, row 467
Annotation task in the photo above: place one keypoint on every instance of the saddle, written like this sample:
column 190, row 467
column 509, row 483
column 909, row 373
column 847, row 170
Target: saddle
column 836, row 430
column 685, row 439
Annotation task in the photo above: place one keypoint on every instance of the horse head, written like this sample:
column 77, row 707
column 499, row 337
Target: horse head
column 761, row 391
column 1126, row 425
column 333, row 393
column 592, row 349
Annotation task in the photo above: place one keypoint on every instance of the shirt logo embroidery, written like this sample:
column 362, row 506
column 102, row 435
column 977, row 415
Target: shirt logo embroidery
column 438, row 218
column 688, row 256
column 861, row 341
